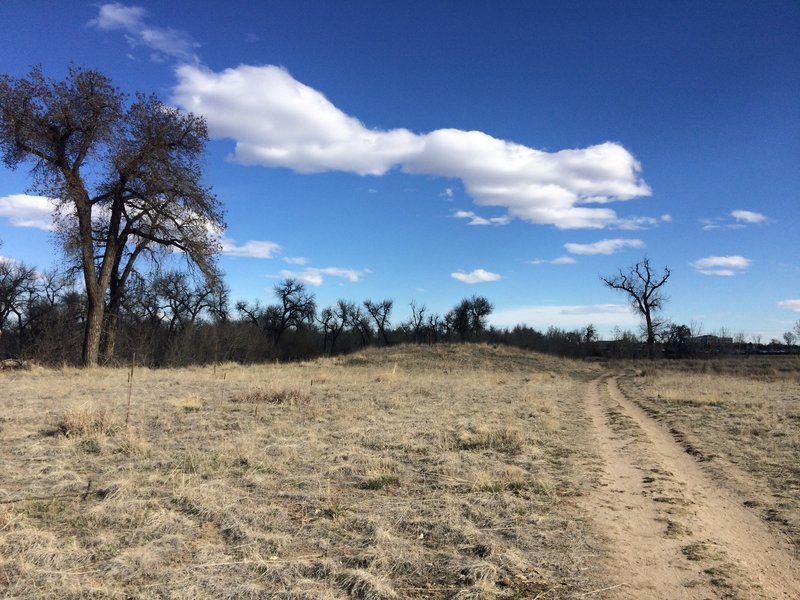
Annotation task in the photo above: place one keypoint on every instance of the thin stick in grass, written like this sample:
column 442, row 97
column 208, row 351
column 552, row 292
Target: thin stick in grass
column 130, row 390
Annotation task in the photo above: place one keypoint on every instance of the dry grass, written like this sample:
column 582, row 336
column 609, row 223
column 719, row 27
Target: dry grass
column 443, row 472
column 741, row 417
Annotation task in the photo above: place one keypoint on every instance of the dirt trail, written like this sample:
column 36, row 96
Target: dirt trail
column 674, row 533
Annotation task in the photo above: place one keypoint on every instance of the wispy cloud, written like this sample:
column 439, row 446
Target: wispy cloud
column 561, row 260
column 251, row 248
column 790, row 305
column 638, row 223
column 316, row 276
column 23, row 210
column 277, row 121
column 740, row 220
column 603, row 246
column 568, row 316
column 478, row 220
column 295, row 260
column 748, row 216
column 166, row 42
column 476, row 276
column 722, row 266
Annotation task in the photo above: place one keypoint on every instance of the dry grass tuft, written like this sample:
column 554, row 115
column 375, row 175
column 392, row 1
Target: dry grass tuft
column 86, row 420
column 280, row 396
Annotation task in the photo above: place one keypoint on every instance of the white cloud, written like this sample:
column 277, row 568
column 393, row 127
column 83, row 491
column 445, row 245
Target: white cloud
column 295, row 260
column 131, row 20
column 7, row 260
column 251, row 248
column 447, row 193
column 748, row 216
column 638, row 223
column 569, row 316
column 561, row 260
column 316, row 276
column 23, row 210
column 476, row 276
column 790, row 305
column 478, row 220
column 741, row 219
column 603, row 246
column 723, row 266
column 278, row 121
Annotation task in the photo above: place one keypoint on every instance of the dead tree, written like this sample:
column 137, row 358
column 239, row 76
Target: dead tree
column 644, row 289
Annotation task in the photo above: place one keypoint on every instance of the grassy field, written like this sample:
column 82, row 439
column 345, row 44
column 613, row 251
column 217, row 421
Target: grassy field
column 444, row 472
column 411, row 472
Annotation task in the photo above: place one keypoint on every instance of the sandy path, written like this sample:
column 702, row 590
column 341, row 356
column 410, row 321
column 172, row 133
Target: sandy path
column 674, row 533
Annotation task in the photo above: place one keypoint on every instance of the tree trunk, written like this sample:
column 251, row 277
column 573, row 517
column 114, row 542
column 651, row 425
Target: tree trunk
column 651, row 336
column 109, row 340
column 93, row 333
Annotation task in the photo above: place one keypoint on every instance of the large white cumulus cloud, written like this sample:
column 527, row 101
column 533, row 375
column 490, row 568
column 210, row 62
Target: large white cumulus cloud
column 276, row 120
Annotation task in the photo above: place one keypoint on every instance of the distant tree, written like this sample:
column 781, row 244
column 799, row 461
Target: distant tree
column 434, row 328
column 296, row 309
column 416, row 321
column 358, row 322
column 333, row 320
column 380, row 313
column 468, row 317
column 126, row 180
column 790, row 338
column 676, row 340
column 589, row 334
column 17, row 284
column 643, row 287
column 182, row 301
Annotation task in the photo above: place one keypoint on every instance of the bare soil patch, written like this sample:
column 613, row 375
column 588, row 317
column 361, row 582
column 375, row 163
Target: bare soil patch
column 676, row 531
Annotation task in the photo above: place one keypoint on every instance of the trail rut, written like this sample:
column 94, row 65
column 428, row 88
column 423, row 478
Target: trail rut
column 671, row 531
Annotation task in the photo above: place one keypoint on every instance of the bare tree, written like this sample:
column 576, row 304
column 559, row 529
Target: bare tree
column 296, row 309
column 124, row 179
column 468, row 317
column 380, row 312
column 17, row 282
column 183, row 302
column 358, row 321
column 644, row 289
column 333, row 320
column 790, row 338
column 417, row 320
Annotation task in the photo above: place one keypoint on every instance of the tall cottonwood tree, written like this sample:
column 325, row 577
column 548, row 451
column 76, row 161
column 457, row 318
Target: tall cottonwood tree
column 644, row 288
column 125, row 177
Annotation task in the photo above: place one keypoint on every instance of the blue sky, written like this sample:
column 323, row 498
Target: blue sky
column 434, row 150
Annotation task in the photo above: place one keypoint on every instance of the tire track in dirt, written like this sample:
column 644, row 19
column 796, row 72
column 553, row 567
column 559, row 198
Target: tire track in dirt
column 672, row 532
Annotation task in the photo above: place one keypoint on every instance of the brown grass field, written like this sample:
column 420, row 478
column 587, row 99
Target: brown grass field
column 459, row 471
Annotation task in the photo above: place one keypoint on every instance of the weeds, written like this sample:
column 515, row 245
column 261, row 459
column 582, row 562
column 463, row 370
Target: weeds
column 290, row 396
column 86, row 420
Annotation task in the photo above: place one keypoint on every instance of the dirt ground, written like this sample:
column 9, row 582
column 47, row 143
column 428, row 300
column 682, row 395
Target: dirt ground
column 674, row 530
column 411, row 472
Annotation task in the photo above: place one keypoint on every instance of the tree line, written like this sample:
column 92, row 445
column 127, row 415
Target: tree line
column 179, row 318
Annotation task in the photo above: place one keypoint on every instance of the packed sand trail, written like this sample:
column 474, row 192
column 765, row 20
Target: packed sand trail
column 672, row 531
